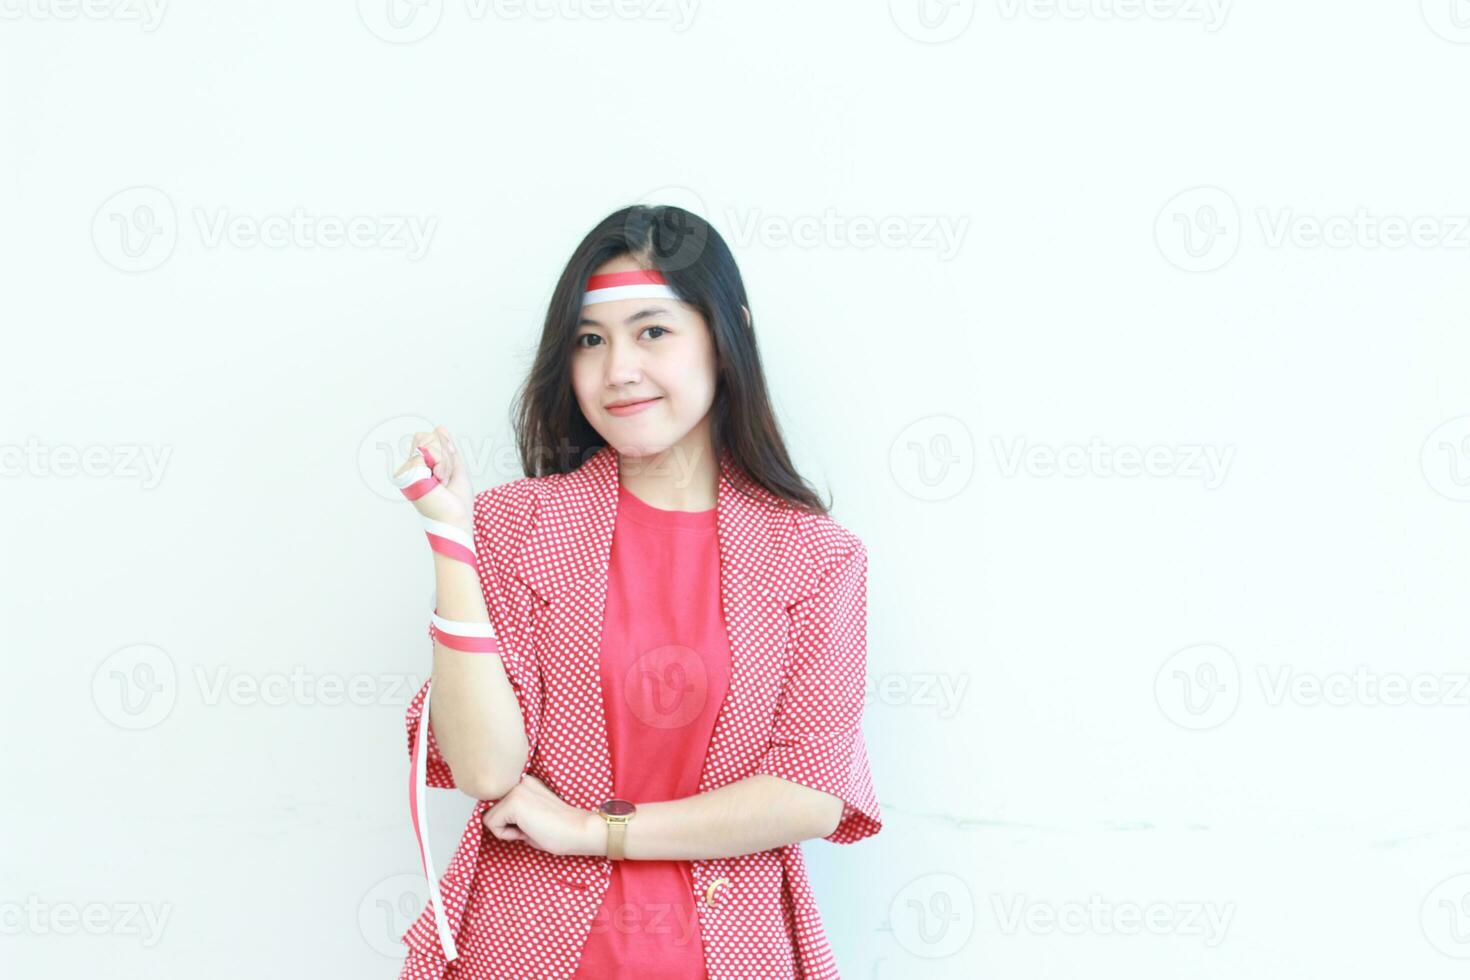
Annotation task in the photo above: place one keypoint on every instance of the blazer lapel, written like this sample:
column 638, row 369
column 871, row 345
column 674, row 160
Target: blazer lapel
column 565, row 560
column 755, row 589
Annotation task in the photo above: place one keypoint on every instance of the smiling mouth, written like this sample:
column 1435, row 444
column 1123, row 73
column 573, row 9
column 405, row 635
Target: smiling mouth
column 631, row 408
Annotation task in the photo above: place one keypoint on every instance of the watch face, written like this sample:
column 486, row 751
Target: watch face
column 617, row 808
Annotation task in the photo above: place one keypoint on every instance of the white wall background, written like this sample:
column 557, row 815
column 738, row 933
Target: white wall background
column 1208, row 719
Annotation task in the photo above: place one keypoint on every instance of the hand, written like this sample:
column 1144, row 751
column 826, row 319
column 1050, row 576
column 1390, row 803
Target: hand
column 453, row 501
column 532, row 813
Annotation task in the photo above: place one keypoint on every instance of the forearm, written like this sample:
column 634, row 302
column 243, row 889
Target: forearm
column 474, row 714
column 754, row 814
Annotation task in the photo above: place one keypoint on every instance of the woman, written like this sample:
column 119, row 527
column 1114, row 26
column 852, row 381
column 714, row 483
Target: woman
column 648, row 653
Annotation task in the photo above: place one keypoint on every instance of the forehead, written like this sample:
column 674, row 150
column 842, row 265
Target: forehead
column 611, row 313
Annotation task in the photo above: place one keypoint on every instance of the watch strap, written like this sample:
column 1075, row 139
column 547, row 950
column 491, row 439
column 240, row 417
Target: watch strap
column 617, row 831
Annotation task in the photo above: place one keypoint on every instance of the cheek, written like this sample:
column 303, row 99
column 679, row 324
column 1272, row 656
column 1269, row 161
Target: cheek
column 696, row 364
column 691, row 398
column 582, row 375
column 687, row 381
column 702, row 383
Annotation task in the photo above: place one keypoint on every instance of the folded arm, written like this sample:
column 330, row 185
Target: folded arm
column 753, row 814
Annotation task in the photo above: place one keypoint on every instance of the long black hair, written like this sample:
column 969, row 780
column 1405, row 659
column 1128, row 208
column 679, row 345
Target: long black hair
column 552, row 434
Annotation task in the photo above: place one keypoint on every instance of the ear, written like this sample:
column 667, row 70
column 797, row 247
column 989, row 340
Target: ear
column 746, row 310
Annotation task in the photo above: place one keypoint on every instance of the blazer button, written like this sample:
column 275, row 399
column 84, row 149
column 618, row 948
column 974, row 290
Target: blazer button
column 712, row 893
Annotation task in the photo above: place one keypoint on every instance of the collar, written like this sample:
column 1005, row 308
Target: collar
column 755, row 531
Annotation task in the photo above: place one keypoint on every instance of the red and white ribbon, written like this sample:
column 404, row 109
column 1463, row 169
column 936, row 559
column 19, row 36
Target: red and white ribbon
column 462, row 636
column 470, row 638
column 419, row 480
column 418, row 809
column 452, row 542
column 637, row 284
column 446, row 539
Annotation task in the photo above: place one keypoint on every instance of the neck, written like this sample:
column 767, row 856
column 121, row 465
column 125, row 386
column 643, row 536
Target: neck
column 682, row 477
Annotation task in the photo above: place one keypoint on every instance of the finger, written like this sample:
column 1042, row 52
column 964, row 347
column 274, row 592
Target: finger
column 451, row 456
column 414, row 459
column 432, row 453
column 416, row 462
column 446, row 440
column 422, row 441
column 507, row 833
column 407, row 464
column 459, row 471
column 499, row 819
column 502, row 808
column 439, row 461
column 445, row 470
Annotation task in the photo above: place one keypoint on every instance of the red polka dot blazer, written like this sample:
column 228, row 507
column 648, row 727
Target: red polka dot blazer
column 794, row 594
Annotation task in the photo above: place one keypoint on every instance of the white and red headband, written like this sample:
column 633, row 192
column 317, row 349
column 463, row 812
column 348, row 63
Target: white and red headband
column 636, row 284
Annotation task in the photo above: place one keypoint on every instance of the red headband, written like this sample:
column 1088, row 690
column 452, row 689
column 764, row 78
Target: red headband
column 637, row 284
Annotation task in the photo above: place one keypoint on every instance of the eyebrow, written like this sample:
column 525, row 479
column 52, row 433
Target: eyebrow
column 640, row 315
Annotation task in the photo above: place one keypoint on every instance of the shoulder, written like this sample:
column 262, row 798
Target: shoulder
column 510, row 497
column 505, row 514
column 824, row 548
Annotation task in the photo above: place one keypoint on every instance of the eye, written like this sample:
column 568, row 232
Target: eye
column 592, row 336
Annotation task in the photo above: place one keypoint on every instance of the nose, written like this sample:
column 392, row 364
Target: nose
column 622, row 365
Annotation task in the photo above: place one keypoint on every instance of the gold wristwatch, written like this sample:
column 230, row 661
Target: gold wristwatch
column 616, row 813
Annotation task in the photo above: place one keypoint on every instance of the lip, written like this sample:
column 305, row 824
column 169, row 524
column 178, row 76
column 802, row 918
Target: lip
column 630, row 408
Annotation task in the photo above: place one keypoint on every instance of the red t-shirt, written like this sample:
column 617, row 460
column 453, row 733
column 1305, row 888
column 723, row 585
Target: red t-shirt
column 665, row 665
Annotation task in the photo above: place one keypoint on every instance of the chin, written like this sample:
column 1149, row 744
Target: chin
column 639, row 451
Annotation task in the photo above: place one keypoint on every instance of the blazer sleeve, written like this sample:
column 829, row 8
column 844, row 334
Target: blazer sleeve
column 817, row 738
column 502, row 517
